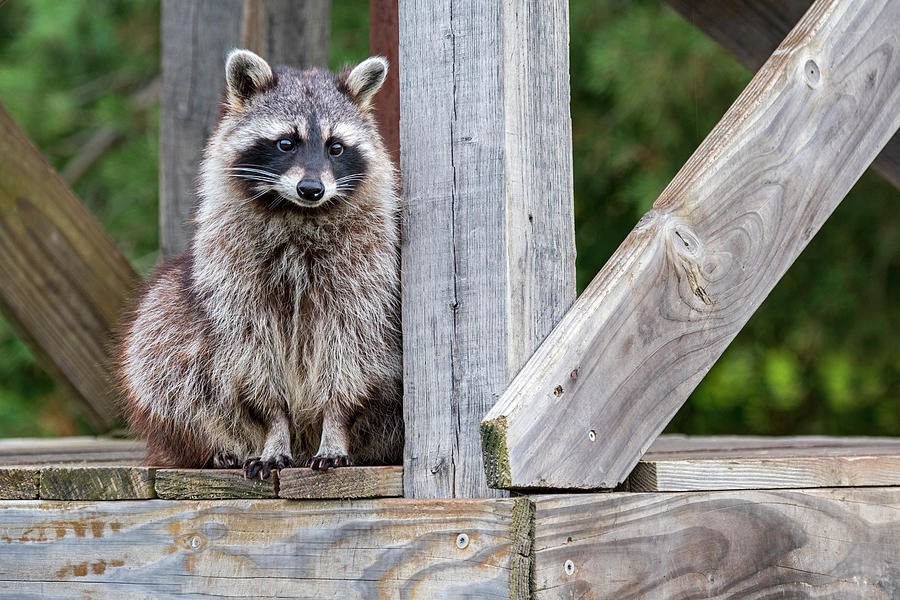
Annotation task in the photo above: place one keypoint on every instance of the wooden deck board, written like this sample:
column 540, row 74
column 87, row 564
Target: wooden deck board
column 212, row 484
column 353, row 482
column 834, row 543
column 97, row 483
column 259, row 548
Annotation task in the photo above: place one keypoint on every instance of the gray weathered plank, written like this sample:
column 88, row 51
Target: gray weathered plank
column 622, row 361
column 211, row 484
column 196, row 36
column 80, row 449
column 488, row 235
column 346, row 482
column 18, row 483
column 96, row 483
column 63, row 280
column 841, row 543
column 260, row 549
column 751, row 30
column 682, row 447
column 764, row 473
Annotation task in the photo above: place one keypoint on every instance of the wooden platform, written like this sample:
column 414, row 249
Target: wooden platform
column 128, row 532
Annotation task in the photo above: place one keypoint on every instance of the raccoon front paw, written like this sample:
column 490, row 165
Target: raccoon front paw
column 264, row 467
column 325, row 462
column 224, row 460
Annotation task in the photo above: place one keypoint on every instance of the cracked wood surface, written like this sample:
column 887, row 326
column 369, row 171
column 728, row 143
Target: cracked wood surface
column 63, row 280
column 196, row 37
column 622, row 361
column 751, row 30
column 261, row 548
column 830, row 543
column 488, row 233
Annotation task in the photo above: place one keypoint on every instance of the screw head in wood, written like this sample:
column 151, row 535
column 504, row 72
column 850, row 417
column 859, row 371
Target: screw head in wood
column 592, row 435
column 811, row 73
column 569, row 567
column 462, row 540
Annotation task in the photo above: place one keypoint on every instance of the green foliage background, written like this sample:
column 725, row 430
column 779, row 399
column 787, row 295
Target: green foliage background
column 820, row 356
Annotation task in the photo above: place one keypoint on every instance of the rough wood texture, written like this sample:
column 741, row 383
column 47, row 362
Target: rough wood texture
column 195, row 484
column 196, row 36
column 751, row 30
column 19, row 483
column 751, row 544
column 680, row 463
column 96, row 483
column 81, row 450
column 384, row 40
column 622, row 361
column 63, row 280
column 257, row 549
column 349, row 482
column 488, row 237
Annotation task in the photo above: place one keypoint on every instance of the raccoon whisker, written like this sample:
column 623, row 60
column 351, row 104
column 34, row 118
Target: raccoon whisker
column 249, row 166
column 253, row 172
column 255, row 178
column 347, row 178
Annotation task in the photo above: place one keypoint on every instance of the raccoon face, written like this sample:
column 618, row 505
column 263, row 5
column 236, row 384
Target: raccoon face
column 297, row 139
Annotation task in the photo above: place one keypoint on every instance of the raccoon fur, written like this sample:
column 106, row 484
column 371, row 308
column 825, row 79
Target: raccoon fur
column 275, row 339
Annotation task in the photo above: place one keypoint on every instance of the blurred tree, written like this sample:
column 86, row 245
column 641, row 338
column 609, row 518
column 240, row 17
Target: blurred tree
column 819, row 356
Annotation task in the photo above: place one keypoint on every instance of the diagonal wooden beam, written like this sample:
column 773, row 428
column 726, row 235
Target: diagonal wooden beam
column 63, row 280
column 626, row 356
column 751, row 30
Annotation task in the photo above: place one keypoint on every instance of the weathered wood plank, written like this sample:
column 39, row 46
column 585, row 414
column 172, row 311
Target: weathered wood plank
column 682, row 447
column 622, row 361
column 96, row 483
column 781, row 544
column 196, row 36
column 384, row 40
column 751, row 30
column 80, row 449
column 259, row 549
column 768, row 473
column 63, row 279
column 19, row 483
column 197, row 484
column 488, row 254
column 348, row 482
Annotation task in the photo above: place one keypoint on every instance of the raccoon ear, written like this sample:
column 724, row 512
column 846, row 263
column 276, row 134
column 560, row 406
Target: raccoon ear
column 246, row 74
column 366, row 79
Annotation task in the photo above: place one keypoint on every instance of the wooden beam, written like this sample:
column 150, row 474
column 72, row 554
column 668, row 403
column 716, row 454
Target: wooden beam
column 626, row 356
column 97, row 483
column 83, row 450
column 488, row 235
column 352, row 482
column 196, row 36
column 193, row 484
column 717, row 545
column 384, row 40
column 751, row 30
column 264, row 549
column 64, row 281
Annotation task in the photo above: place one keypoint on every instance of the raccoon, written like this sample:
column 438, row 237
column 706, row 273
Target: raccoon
column 274, row 340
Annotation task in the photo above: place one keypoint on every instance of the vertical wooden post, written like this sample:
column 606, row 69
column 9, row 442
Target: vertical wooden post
column 196, row 36
column 488, row 241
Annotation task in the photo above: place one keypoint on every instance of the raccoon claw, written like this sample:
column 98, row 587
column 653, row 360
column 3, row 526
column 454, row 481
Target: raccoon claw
column 264, row 468
column 323, row 463
column 224, row 460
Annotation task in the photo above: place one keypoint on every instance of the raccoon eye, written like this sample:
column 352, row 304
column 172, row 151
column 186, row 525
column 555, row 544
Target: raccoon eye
column 285, row 145
column 336, row 149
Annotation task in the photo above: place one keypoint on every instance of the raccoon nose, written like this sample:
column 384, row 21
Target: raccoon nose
column 310, row 189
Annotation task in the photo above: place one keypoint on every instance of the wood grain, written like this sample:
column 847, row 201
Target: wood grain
column 769, row 473
column 488, row 234
column 347, row 482
column 63, row 280
column 622, row 361
column 19, row 483
column 683, row 447
column 196, row 36
column 96, row 483
column 79, row 449
column 197, row 484
column 751, row 30
column 841, row 543
column 163, row 549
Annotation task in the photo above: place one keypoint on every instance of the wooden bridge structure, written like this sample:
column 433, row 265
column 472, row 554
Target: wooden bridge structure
column 533, row 466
